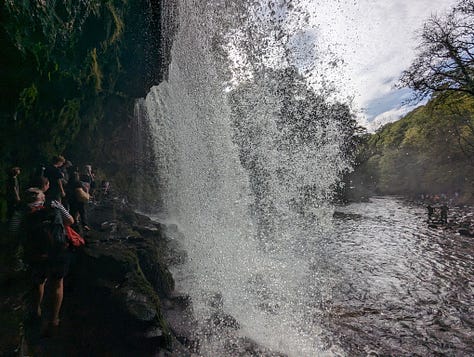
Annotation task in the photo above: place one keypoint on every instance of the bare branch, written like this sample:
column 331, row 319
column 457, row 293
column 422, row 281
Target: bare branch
column 445, row 59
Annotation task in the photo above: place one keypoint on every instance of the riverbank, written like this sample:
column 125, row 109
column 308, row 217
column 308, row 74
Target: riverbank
column 459, row 208
column 116, row 295
column 459, row 217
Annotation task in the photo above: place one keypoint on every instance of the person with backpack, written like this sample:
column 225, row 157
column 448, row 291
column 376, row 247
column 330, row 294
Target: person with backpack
column 45, row 249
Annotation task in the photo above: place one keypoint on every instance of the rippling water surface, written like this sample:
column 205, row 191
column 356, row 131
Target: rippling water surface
column 397, row 286
column 379, row 281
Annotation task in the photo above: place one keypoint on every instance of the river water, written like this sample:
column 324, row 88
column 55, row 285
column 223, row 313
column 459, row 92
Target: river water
column 399, row 288
column 379, row 282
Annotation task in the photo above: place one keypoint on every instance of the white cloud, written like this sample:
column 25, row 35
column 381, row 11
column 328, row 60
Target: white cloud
column 386, row 117
column 375, row 38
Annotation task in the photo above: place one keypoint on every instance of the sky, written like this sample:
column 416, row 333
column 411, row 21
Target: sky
column 376, row 41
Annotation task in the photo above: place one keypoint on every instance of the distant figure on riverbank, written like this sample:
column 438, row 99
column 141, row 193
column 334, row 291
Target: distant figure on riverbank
column 444, row 214
column 430, row 212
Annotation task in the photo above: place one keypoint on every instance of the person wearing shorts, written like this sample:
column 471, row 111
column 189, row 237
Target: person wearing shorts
column 47, row 265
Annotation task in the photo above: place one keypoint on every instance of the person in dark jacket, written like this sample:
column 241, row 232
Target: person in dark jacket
column 55, row 176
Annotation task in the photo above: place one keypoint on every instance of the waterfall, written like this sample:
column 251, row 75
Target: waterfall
column 247, row 157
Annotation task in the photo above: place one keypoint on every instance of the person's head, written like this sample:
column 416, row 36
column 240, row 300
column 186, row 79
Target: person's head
column 40, row 182
column 75, row 176
column 67, row 164
column 72, row 170
column 58, row 161
column 15, row 171
column 87, row 169
column 34, row 195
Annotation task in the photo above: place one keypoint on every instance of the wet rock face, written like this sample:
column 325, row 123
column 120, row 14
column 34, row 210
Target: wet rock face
column 139, row 306
column 119, row 281
column 73, row 71
column 178, row 312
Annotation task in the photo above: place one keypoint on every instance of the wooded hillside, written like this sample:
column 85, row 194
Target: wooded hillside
column 431, row 150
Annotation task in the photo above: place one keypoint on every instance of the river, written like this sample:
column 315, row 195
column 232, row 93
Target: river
column 400, row 288
column 379, row 282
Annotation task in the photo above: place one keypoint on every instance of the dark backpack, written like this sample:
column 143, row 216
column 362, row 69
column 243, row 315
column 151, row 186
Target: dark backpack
column 45, row 233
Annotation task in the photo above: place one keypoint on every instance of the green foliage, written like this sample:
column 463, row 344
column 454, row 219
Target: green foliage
column 429, row 150
column 96, row 74
column 28, row 97
column 63, row 59
column 69, row 77
column 118, row 22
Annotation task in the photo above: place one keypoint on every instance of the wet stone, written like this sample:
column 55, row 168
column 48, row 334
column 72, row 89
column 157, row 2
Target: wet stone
column 139, row 306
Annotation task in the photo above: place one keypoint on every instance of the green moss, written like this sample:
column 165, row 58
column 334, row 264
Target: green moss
column 130, row 233
column 28, row 98
column 96, row 73
column 141, row 301
column 118, row 22
column 73, row 71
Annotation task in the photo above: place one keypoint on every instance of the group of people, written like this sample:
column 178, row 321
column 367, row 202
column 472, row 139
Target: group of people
column 437, row 206
column 61, row 182
column 57, row 194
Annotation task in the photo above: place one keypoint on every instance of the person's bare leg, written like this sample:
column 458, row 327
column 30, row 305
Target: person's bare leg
column 39, row 298
column 57, row 300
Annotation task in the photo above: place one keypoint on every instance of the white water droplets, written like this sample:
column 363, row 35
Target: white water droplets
column 248, row 156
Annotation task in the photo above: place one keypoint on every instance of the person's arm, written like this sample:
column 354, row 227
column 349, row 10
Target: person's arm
column 16, row 188
column 67, row 218
column 60, row 184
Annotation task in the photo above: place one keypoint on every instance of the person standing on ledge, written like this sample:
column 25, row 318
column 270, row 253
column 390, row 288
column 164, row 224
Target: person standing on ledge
column 48, row 259
column 13, row 191
column 88, row 177
column 55, row 176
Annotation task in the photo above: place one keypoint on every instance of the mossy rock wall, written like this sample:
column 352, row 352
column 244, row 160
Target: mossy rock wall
column 71, row 73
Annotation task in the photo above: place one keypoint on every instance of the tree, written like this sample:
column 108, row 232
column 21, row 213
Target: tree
column 445, row 59
column 459, row 110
